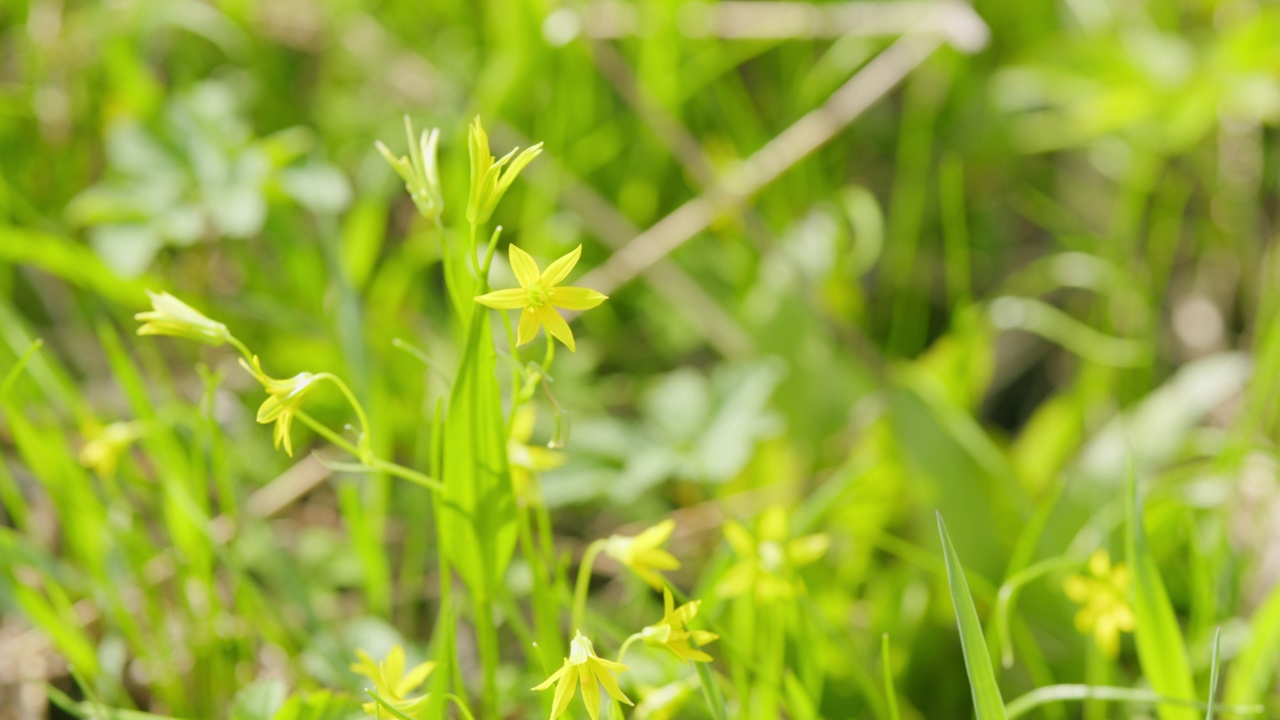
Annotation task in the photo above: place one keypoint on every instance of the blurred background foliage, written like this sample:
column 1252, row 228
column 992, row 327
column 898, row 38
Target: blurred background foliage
column 1024, row 271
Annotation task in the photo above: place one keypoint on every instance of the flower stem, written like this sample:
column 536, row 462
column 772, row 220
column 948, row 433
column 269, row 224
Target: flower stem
column 626, row 644
column 584, row 582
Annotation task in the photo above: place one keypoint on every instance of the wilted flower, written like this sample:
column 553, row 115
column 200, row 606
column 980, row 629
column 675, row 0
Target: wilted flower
column 170, row 316
column 672, row 630
column 540, row 294
column 584, row 667
column 488, row 182
column 392, row 682
column 643, row 553
column 1104, row 594
column 284, row 399
column 102, row 452
column 419, row 171
column 768, row 561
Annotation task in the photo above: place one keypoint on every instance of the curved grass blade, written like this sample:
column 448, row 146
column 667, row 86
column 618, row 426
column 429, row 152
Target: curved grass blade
column 1254, row 670
column 987, row 702
column 1024, row 704
column 1161, row 651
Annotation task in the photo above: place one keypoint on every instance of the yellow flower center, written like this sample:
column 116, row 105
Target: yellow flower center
column 538, row 296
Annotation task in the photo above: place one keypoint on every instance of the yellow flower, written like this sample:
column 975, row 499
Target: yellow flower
column 643, row 554
column 527, row 460
column 392, row 682
column 540, row 294
column 170, row 316
column 284, row 399
column 769, row 560
column 102, row 453
column 584, row 667
column 488, row 182
column 672, row 630
column 1104, row 594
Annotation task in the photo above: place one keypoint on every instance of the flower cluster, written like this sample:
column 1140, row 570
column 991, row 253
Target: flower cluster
column 1104, row 593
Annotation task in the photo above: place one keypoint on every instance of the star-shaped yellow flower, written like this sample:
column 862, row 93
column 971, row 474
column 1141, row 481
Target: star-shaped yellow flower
column 540, row 294
column 672, row 630
column 1104, row 595
column 584, row 667
column 643, row 554
column 769, row 560
column 392, row 682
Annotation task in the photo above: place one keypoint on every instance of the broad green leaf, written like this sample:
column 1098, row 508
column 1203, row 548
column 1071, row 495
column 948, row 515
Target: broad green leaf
column 1161, row 651
column 977, row 661
column 479, row 509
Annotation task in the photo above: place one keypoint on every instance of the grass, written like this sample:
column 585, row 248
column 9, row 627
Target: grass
column 1021, row 277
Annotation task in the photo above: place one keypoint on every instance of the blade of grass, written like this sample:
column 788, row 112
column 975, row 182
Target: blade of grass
column 987, row 702
column 1161, row 650
column 889, row 692
column 1213, row 674
column 1039, row 697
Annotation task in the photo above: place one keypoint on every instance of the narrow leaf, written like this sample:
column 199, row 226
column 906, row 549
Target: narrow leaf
column 987, row 702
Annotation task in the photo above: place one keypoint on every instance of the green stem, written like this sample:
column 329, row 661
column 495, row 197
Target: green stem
column 386, row 466
column 365, row 444
column 487, row 641
column 626, row 644
column 584, row 582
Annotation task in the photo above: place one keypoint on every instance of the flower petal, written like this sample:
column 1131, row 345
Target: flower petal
column 564, row 691
column 554, row 677
column 556, row 325
column 611, row 685
column 575, row 298
column 557, row 271
column 508, row 299
column 525, row 269
column 656, row 535
column 528, row 326
column 591, row 693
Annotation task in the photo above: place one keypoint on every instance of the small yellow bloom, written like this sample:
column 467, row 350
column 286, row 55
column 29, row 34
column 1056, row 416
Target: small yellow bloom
column 170, row 316
column 420, row 170
column 284, row 399
column 527, row 460
column 672, row 630
column 1104, row 595
column 102, row 453
column 769, row 560
column 540, row 294
column 584, row 667
column 643, row 553
column 392, row 682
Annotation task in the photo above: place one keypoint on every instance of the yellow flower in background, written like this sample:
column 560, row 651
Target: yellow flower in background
column 103, row 450
column 1104, row 594
column 584, row 667
column 528, row 460
column 540, row 294
column 284, row 399
column 170, row 316
column 643, row 553
column 392, row 682
column 672, row 630
column 769, row 559
column 420, row 170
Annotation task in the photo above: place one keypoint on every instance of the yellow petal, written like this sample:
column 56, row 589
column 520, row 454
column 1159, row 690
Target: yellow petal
column 807, row 549
column 551, row 320
column 528, row 326
column 554, row 676
column 591, row 694
column 508, row 299
column 611, row 685
column 414, row 678
column 393, row 665
column 656, row 535
column 525, row 269
column 659, row 559
column 560, row 269
column 739, row 539
column 1100, row 563
column 575, row 298
column 564, row 691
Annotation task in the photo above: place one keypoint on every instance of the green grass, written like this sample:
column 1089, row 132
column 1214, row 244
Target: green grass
column 1030, row 287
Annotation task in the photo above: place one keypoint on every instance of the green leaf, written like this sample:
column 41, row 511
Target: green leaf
column 259, row 701
column 1213, row 674
column 987, row 702
column 479, row 511
column 1254, row 670
column 1161, row 651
